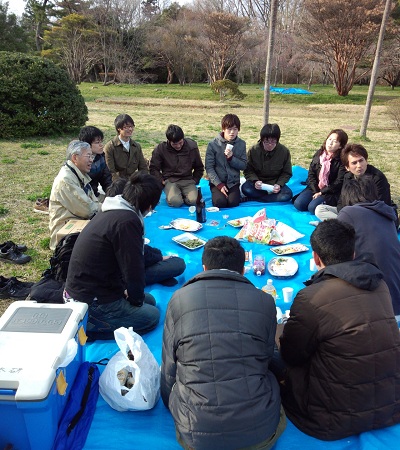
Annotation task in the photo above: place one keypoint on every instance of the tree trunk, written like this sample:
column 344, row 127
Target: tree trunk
column 170, row 75
column 268, row 66
column 311, row 78
column 375, row 68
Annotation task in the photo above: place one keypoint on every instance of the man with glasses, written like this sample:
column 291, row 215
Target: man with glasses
column 268, row 163
column 178, row 165
column 124, row 156
column 71, row 196
column 99, row 172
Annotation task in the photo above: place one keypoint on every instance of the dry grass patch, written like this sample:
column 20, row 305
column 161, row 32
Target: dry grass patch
column 27, row 170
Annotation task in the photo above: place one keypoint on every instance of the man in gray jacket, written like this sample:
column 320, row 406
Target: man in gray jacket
column 218, row 342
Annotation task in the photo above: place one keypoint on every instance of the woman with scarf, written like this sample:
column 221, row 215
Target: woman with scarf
column 325, row 175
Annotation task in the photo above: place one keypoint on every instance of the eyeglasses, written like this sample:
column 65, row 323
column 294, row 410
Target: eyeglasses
column 89, row 155
column 270, row 141
column 128, row 127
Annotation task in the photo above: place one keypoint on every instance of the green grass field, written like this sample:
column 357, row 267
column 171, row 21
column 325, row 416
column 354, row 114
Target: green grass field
column 28, row 165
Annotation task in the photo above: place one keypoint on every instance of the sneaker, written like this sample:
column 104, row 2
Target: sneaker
column 41, row 206
column 20, row 247
column 13, row 288
column 314, row 223
column 10, row 253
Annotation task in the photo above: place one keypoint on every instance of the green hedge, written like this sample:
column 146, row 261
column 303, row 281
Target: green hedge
column 37, row 98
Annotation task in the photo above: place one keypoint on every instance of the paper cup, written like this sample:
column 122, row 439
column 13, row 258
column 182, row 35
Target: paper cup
column 267, row 187
column 287, row 294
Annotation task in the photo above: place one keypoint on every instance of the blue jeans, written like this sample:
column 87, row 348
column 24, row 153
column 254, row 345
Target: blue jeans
column 248, row 189
column 305, row 201
column 164, row 270
column 104, row 319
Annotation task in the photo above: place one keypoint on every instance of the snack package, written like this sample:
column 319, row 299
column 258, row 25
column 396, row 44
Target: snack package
column 267, row 231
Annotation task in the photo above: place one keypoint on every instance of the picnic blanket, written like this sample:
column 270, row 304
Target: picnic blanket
column 154, row 429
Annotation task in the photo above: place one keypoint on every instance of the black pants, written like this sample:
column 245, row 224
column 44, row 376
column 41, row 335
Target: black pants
column 220, row 201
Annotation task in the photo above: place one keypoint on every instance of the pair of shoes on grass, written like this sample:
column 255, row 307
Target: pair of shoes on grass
column 13, row 288
column 13, row 253
column 41, row 206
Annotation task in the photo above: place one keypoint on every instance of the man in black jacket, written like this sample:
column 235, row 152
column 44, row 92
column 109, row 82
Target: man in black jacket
column 341, row 343
column 107, row 268
column 177, row 164
column 218, row 342
column 355, row 159
column 99, row 172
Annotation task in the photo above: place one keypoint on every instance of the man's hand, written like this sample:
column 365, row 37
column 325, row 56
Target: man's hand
column 258, row 185
column 224, row 190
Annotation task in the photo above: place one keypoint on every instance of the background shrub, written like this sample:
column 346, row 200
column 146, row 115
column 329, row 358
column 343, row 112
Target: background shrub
column 227, row 88
column 37, row 98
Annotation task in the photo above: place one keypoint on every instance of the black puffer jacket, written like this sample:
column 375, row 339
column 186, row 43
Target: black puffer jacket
column 218, row 342
column 342, row 344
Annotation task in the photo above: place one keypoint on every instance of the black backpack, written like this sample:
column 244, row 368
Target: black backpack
column 59, row 262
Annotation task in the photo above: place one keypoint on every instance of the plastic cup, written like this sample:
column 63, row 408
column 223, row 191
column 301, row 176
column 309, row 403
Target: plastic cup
column 192, row 210
column 229, row 147
column 287, row 294
column 313, row 266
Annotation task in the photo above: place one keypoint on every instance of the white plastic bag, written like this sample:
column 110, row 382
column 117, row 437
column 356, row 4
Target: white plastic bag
column 143, row 370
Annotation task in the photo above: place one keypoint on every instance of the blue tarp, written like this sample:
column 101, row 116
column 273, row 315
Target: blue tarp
column 290, row 91
column 154, row 429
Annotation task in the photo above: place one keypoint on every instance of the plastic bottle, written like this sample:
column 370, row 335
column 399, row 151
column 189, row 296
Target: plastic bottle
column 269, row 288
column 259, row 265
column 200, row 207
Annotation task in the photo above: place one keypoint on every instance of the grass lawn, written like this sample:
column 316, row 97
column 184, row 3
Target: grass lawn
column 29, row 165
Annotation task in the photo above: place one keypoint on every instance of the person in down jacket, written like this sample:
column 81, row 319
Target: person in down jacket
column 341, row 343
column 218, row 342
column 376, row 230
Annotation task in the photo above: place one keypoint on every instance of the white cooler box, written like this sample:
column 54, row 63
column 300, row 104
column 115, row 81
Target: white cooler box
column 41, row 349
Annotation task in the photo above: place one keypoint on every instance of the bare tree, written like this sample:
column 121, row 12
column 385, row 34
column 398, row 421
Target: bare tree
column 219, row 40
column 257, row 10
column 340, row 34
column 115, row 21
column 169, row 41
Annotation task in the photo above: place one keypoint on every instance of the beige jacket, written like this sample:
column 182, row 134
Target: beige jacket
column 68, row 200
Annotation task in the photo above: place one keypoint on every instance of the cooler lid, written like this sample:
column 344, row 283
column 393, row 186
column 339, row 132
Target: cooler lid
column 34, row 320
column 34, row 340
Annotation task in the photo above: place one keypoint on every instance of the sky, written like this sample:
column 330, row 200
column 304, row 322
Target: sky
column 17, row 6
